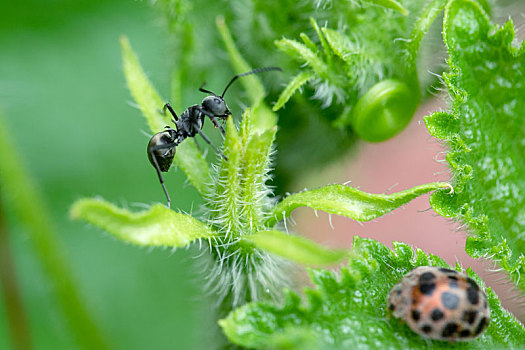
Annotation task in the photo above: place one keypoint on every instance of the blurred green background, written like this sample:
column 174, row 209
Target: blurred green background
column 64, row 101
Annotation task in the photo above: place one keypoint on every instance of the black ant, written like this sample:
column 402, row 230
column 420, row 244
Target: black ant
column 161, row 146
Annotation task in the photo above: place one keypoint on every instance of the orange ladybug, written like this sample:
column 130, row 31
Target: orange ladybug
column 440, row 303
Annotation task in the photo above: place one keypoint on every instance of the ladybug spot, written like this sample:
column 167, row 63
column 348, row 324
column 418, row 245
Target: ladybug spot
column 416, row 315
column 473, row 284
column 426, row 277
column 450, row 300
column 453, row 281
column 464, row 333
column 481, row 325
column 469, row 316
column 442, row 269
column 427, row 288
column 449, row 329
column 436, row 315
column 472, row 295
column 426, row 329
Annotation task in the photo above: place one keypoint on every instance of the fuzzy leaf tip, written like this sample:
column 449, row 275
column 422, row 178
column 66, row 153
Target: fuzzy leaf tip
column 157, row 226
column 350, row 202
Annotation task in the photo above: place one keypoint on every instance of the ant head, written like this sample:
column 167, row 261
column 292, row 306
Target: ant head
column 216, row 105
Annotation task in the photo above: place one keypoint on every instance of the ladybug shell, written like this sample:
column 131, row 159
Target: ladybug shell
column 440, row 304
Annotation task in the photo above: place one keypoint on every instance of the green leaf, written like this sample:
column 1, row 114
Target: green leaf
column 264, row 119
column 237, row 207
column 484, row 132
column 254, row 177
column 390, row 4
column 292, row 87
column 348, row 310
column 143, row 92
column 295, row 248
column 227, row 188
column 157, row 227
column 252, row 84
column 188, row 157
column 302, row 53
column 324, row 44
column 308, row 42
column 341, row 45
column 241, row 196
column 19, row 194
column 350, row 202
column 421, row 27
column 441, row 125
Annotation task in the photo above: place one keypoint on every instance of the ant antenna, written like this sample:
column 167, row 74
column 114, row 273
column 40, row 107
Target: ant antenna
column 255, row 71
column 206, row 91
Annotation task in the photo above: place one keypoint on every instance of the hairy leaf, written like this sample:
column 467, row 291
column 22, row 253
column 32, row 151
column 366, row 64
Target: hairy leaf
column 390, row 4
column 237, row 207
column 348, row 65
column 257, row 157
column 295, row 248
column 421, row 27
column 295, row 84
column 350, row 202
column 348, row 310
column 143, row 92
column 302, row 53
column 263, row 119
column 484, row 132
column 252, row 84
column 227, row 190
column 341, row 45
column 240, row 192
column 158, row 227
column 188, row 157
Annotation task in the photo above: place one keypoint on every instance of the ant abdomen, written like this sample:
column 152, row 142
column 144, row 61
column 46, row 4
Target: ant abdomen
column 161, row 149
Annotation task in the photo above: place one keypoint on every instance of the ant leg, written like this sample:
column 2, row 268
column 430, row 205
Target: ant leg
column 213, row 120
column 209, row 142
column 156, row 166
column 168, row 106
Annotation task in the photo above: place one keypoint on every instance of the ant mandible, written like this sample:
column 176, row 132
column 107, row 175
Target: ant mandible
column 161, row 146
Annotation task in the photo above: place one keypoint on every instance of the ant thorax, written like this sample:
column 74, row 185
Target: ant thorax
column 189, row 119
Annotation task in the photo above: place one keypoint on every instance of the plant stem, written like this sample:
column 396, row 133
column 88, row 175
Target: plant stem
column 17, row 320
column 23, row 198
